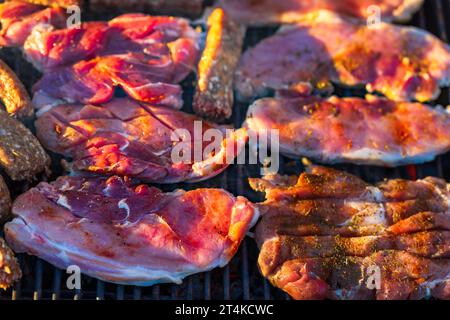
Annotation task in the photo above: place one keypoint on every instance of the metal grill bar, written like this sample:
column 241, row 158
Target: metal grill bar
column 56, row 284
column 240, row 279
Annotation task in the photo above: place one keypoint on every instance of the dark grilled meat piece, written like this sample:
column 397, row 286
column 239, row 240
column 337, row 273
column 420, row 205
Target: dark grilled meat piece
column 21, row 155
column 214, row 93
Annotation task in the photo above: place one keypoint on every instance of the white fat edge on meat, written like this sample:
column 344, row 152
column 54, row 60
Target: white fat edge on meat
column 163, row 151
column 134, row 272
column 122, row 204
column 62, row 201
column 127, row 137
column 65, row 252
column 36, row 35
column 367, row 154
column 46, row 108
column 66, row 186
column 373, row 194
column 445, row 197
column 44, row 103
column 255, row 218
column 369, row 214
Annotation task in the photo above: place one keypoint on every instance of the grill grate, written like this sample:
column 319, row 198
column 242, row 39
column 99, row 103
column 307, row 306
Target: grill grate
column 240, row 279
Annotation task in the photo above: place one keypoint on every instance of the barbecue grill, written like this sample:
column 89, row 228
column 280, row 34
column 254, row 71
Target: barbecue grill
column 241, row 278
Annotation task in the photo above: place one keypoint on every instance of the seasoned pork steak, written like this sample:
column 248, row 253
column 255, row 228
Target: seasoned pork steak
column 325, row 233
column 403, row 63
column 123, row 233
column 371, row 131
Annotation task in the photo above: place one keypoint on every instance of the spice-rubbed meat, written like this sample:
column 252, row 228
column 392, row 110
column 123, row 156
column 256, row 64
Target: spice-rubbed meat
column 323, row 233
column 403, row 63
column 19, row 18
column 133, row 139
column 9, row 267
column 123, row 233
column 372, row 131
column 147, row 56
column 264, row 12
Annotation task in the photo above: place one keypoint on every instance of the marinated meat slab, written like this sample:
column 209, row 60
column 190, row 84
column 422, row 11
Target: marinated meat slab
column 134, row 139
column 123, row 233
column 323, row 233
column 147, row 56
column 403, row 63
column 371, row 131
column 267, row 12
column 19, row 18
column 9, row 267
column 214, row 95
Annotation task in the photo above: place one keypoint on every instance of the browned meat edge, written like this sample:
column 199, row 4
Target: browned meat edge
column 13, row 94
column 214, row 93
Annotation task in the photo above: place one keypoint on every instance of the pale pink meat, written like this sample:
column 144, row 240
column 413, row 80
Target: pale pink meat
column 403, row 63
column 128, row 138
column 123, row 233
column 371, row 131
column 266, row 12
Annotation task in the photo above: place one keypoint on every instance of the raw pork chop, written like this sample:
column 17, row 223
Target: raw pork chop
column 264, row 12
column 403, row 63
column 325, row 232
column 128, row 234
column 134, row 139
column 18, row 19
column 372, row 131
column 147, row 56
